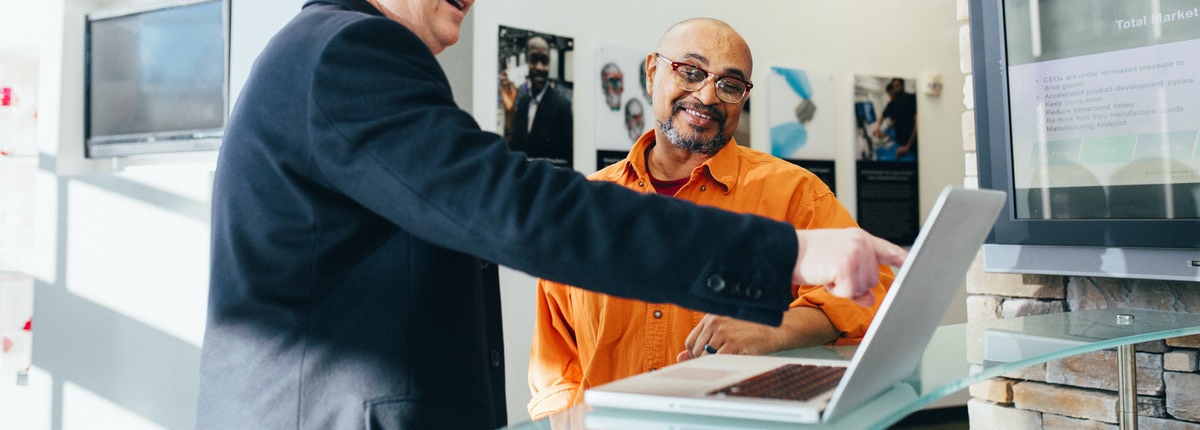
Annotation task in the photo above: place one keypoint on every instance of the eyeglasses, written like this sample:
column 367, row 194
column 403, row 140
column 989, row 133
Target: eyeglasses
column 730, row 89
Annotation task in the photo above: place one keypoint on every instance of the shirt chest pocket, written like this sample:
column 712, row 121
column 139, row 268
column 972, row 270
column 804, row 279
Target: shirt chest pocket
column 600, row 319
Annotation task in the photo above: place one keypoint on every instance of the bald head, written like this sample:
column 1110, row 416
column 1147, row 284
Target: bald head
column 708, row 34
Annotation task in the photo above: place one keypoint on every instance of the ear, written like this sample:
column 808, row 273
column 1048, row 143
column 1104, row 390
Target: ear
column 651, row 67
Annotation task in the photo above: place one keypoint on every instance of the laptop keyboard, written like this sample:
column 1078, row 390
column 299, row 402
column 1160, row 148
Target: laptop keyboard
column 787, row 382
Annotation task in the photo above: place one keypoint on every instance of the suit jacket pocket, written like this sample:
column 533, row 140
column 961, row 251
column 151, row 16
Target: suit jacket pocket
column 395, row 413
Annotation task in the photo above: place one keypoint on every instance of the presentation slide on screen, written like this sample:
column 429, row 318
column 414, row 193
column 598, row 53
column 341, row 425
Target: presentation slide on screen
column 1118, row 118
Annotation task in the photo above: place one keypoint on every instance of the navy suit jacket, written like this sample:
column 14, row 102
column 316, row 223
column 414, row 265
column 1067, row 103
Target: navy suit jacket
column 551, row 135
column 356, row 213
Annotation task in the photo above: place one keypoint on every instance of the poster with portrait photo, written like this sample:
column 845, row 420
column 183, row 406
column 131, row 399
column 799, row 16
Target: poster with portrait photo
column 801, row 121
column 623, row 111
column 885, row 147
column 535, row 92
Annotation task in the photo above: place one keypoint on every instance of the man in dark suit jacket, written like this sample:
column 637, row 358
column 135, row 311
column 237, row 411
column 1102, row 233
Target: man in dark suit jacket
column 357, row 213
column 550, row 135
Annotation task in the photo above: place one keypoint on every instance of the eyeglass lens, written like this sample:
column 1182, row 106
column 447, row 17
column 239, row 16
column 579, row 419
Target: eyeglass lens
column 691, row 78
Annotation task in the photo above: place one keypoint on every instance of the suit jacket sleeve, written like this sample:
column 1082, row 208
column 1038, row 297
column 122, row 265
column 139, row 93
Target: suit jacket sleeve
column 394, row 141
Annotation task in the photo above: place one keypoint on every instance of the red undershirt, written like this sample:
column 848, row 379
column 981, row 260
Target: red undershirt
column 667, row 188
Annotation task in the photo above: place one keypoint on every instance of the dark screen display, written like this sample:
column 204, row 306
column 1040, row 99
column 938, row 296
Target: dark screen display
column 156, row 73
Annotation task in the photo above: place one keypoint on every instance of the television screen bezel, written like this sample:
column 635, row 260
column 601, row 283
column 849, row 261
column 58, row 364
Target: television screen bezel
column 1124, row 248
column 162, row 142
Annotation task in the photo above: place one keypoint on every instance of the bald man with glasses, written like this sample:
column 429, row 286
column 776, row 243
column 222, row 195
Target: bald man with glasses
column 699, row 78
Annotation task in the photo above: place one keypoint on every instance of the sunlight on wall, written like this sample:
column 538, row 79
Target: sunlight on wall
column 160, row 277
column 84, row 410
column 45, row 237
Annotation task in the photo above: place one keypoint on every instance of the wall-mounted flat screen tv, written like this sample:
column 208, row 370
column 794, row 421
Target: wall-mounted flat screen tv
column 1088, row 114
column 156, row 79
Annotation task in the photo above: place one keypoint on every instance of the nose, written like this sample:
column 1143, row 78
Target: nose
column 708, row 91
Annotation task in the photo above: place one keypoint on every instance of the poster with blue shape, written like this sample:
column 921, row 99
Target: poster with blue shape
column 801, row 119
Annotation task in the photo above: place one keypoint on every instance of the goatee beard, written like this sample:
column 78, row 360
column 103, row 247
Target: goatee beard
column 695, row 144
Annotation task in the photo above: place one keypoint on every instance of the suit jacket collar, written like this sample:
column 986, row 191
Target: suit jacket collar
column 355, row 5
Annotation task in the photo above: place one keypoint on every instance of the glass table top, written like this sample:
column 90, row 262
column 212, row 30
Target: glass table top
column 953, row 360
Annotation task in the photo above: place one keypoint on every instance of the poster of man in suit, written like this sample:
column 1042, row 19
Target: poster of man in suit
column 535, row 114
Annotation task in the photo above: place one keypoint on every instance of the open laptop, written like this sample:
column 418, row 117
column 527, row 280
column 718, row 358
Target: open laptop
column 716, row 384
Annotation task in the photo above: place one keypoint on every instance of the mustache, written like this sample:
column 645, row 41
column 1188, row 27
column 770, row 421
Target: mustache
column 708, row 110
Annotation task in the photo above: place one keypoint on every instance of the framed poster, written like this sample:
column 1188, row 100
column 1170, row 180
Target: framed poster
column 535, row 113
column 801, row 122
column 885, row 139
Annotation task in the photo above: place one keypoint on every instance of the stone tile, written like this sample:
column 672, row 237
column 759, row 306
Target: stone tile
column 1059, row 422
column 990, row 416
column 1154, row 346
column 1153, row 423
column 1183, row 395
column 1072, row 402
column 1180, row 360
column 1013, row 285
column 964, row 49
column 995, row 390
column 1185, row 341
column 1012, row 308
column 1052, row 421
column 969, row 92
column 1098, row 369
column 1151, row 406
column 983, row 308
column 1035, row 373
column 968, row 131
column 1102, row 293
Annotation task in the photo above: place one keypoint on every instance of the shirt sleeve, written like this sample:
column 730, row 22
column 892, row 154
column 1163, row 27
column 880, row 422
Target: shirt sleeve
column 850, row 318
column 554, row 368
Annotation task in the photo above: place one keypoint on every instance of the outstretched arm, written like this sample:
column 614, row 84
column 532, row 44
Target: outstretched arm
column 845, row 261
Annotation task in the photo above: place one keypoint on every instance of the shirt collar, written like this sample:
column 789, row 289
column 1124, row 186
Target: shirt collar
column 537, row 98
column 722, row 168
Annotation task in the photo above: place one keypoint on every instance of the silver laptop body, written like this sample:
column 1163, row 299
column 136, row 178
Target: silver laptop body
column 890, row 352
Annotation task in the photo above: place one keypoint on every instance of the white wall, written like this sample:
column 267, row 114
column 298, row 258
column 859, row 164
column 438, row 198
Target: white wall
column 121, row 258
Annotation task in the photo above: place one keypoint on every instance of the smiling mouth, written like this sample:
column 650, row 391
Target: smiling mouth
column 700, row 111
column 458, row 4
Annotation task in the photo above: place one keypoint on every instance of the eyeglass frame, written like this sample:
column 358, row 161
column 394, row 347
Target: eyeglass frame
column 707, row 75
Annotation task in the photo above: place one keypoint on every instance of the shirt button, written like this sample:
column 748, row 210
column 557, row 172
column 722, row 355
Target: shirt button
column 657, row 313
column 495, row 358
column 703, row 187
column 641, row 184
column 716, row 283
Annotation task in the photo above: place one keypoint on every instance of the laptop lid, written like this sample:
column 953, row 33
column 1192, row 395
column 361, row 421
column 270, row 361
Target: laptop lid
column 936, row 266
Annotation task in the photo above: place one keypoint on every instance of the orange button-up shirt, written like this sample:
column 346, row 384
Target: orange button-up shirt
column 582, row 339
